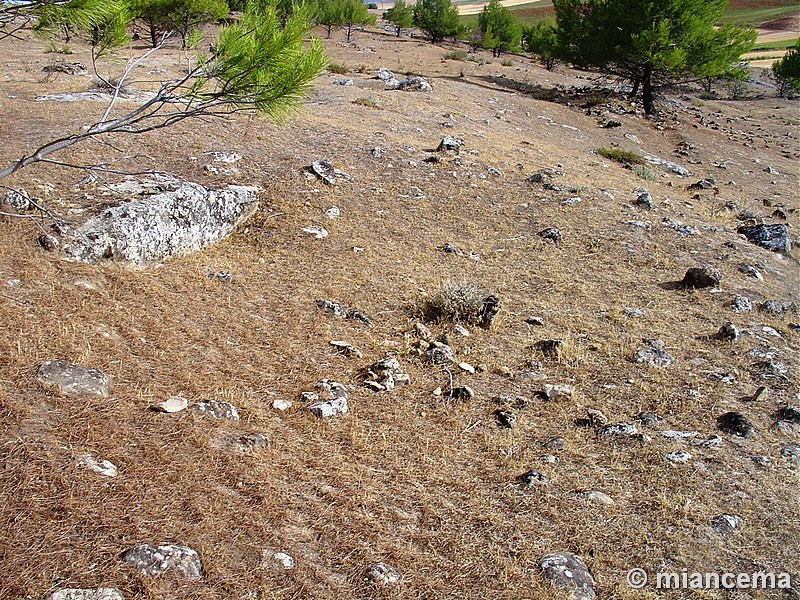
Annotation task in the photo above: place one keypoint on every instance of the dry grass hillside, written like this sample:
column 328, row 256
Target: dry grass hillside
column 425, row 483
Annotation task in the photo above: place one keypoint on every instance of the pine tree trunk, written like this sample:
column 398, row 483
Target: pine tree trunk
column 647, row 90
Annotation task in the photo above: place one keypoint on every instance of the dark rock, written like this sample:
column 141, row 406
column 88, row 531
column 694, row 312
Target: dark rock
column 791, row 453
column 728, row 331
column 703, row 184
column 491, row 307
column 73, row 380
column 702, row 277
column 789, row 413
column 647, row 418
column 569, row 573
column 506, row 419
column 148, row 559
column 549, row 347
column 726, row 523
column 741, row 303
column 48, row 242
column 325, row 170
column 734, row 423
column 461, row 393
column 778, row 308
column 532, row 478
column 384, row 574
column 772, row 237
column 644, row 200
column 551, row 233
column 450, row 144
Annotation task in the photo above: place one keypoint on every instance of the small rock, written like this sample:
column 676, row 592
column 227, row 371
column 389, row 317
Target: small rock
column 441, row 354
column 72, row 379
column 506, row 419
column 343, row 81
column 555, row 443
column 791, row 453
column 462, row 393
column 595, row 497
column 281, row 559
column 532, row 478
column 548, row 458
column 536, row 321
column 326, row 171
column 466, row 367
column 333, row 212
column 148, row 559
column 702, row 277
column 333, row 308
column 772, row 237
column 335, row 404
column 549, row 347
column 551, row 233
column 728, row 331
column 647, row 418
column 384, row 74
column 619, row 430
column 569, row 573
column 789, row 413
column 644, row 200
column 751, row 271
column 777, row 308
column 217, row 409
column 678, row 456
column 450, row 144
column 703, row 184
column 318, row 232
column 741, row 303
column 558, row 391
column 87, row 594
column 713, row 441
column 250, row 442
column 346, row 348
column 103, row 467
column 281, row 405
column 655, row 356
column 384, row 574
column 460, row 330
column 171, row 405
column 735, row 423
column 726, row 523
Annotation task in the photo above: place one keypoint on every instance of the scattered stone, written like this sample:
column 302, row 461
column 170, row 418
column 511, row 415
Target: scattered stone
column 676, row 435
column 555, row 443
column 619, row 430
column 87, row 594
column 343, row 81
column 791, row 453
column 735, row 423
column 334, row 212
column 168, row 224
column 772, row 237
column 741, row 304
column 102, row 467
column 16, row 200
column 728, row 331
column 48, row 242
column 726, row 523
column 466, row 367
column 72, row 379
column 334, row 405
column 346, row 348
column 536, row 321
column 678, row 456
column 647, row 418
column 450, row 144
column 506, row 419
column 643, row 199
column 751, row 271
column 317, row 231
column 217, row 409
column 558, row 391
column 655, row 355
column 148, row 559
column 595, row 497
column 385, row 374
column 250, row 442
column 762, row 461
column 281, row 404
column 703, row 184
column 440, row 354
column 384, row 574
column 532, row 478
column 702, row 277
column 461, row 393
column 460, row 330
column 326, row 171
column 549, row 347
column 569, row 573
column 171, row 405
column 331, row 307
column 778, row 308
column 790, row 413
column 551, row 233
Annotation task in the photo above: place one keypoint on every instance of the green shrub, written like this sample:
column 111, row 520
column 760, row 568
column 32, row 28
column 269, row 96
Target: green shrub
column 368, row 102
column 455, row 55
column 644, row 172
column 507, row 62
column 337, row 67
column 625, row 157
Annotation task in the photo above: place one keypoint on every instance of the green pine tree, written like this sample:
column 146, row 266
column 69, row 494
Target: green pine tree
column 400, row 15
column 354, row 12
column 787, row 71
column 437, row 18
column 499, row 28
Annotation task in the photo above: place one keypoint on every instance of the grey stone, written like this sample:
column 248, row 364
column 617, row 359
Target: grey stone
column 217, row 409
column 334, row 308
column 643, row 199
column 676, row 435
column 249, row 442
column 505, row 419
column 735, row 423
column 619, row 430
column 87, row 594
column 741, row 303
column 148, row 559
column 410, row 83
column 702, row 277
column 655, row 356
column 452, row 249
column 172, row 404
column 16, row 200
column 640, row 224
column 533, row 478
column 450, row 144
column 678, row 456
column 728, row 331
column 72, row 379
column 772, row 237
column 551, row 233
column 791, row 453
column 790, row 413
column 441, row 354
column 751, row 271
column 384, row 74
column 726, row 523
column 336, row 402
column 384, row 574
column 549, row 347
column 385, row 374
column 778, row 308
column 172, row 223
column 569, row 573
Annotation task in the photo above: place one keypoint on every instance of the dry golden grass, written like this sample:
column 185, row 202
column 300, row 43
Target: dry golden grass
column 425, row 485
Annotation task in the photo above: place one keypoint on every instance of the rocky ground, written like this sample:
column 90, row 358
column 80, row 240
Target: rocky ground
column 273, row 417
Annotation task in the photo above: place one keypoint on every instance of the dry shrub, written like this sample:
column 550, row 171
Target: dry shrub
column 456, row 302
